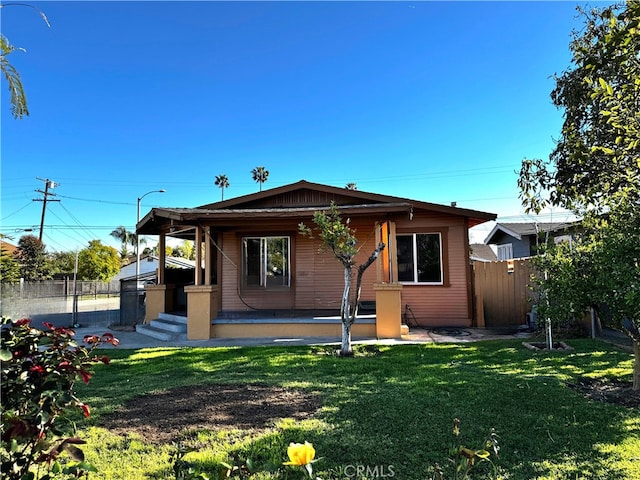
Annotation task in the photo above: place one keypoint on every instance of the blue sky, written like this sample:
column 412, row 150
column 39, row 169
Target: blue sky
column 434, row 101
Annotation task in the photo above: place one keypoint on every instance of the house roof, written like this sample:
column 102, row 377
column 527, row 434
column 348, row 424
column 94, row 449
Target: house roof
column 149, row 265
column 482, row 253
column 519, row 230
column 7, row 247
column 297, row 200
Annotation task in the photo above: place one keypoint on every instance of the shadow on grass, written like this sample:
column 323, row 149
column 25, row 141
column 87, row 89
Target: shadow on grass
column 396, row 408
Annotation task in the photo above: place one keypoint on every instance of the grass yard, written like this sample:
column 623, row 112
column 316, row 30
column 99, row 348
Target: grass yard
column 388, row 412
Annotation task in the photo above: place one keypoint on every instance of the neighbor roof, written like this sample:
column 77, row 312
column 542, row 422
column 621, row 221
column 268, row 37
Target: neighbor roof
column 519, row 230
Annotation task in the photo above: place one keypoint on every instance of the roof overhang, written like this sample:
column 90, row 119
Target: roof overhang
column 500, row 228
column 180, row 221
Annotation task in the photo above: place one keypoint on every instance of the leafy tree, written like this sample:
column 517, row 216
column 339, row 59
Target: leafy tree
column 260, row 175
column 222, row 182
column 594, row 170
column 9, row 266
column 63, row 262
column 98, row 262
column 597, row 153
column 340, row 239
column 31, row 255
column 186, row 250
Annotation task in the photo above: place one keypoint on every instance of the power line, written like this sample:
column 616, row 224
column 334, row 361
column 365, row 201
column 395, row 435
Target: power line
column 17, row 211
column 93, row 235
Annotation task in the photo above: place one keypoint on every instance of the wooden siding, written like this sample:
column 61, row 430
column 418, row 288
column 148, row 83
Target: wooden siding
column 302, row 198
column 317, row 278
column 448, row 304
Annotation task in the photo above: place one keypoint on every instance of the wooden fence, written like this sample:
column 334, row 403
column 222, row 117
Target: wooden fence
column 501, row 292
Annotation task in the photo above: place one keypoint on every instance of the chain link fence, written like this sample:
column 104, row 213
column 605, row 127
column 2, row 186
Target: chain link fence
column 62, row 303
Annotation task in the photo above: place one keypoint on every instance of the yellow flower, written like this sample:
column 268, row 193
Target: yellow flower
column 300, row 454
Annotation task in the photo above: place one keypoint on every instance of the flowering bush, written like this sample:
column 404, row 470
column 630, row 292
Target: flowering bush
column 39, row 371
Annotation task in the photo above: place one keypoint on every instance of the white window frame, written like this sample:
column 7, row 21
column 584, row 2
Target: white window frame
column 415, row 257
column 505, row 252
column 263, row 283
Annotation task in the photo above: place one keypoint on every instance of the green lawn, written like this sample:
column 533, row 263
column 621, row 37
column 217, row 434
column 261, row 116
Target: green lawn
column 392, row 409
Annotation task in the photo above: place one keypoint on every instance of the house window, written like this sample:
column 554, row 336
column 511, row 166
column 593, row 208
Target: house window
column 420, row 258
column 505, row 252
column 266, row 262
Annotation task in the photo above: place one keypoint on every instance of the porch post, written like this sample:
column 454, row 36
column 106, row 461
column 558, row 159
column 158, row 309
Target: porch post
column 208, row 254
column 162, row 258
column 198, row 241
column 159, row 297
column 388, row 310
column 202, row 308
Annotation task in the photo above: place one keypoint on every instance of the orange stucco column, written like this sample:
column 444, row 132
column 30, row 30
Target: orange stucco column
column 202, row 308
column 159, row 299
column 388, row 310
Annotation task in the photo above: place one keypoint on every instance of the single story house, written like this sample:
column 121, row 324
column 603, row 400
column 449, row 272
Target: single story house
column 521, row 240
column 256, row 275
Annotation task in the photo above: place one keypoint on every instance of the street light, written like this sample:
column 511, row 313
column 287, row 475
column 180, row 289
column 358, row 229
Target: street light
column 138, row 237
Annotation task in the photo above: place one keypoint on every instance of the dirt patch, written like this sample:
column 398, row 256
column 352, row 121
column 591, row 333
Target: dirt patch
column 164, row 416
column 617, row 392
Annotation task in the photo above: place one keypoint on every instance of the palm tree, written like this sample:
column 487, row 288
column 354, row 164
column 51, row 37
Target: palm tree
column 260, row 175
column 223, row 182
column 126, row 237
column 351, row 186
column 18, row 98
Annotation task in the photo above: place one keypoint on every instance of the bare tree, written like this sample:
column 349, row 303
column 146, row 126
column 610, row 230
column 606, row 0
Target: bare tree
column 341, row 240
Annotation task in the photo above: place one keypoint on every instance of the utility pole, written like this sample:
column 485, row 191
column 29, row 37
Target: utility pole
column 45, row 198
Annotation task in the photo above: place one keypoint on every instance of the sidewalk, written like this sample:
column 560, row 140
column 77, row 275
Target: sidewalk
column 134, row 340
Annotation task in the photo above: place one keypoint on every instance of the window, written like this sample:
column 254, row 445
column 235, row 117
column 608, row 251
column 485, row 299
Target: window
column 420, row 258
column 505, row 252
column 266, row 262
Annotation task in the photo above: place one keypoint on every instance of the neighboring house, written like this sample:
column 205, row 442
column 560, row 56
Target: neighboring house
column 149, row 264
column 520, row 240
column 256, row 275
column 479, row 252
column 8, row 248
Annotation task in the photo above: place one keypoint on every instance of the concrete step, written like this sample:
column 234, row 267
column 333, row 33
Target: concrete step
column 169, row 325
column 172, row 317
column 160, row 334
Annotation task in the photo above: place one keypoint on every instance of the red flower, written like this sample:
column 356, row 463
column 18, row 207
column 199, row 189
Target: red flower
column 85, row 410
column 37, row 369
column 104, row 359
column 86, row 376
column 65, row 366
column 109, row 338
column 65, row 331
column 50, row 326
column 91, row 339
column 22, row 321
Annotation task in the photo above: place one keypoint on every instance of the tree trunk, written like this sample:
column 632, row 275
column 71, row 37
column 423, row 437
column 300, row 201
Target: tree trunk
column 345, row 348
column 636, row 366
column 345, row 314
